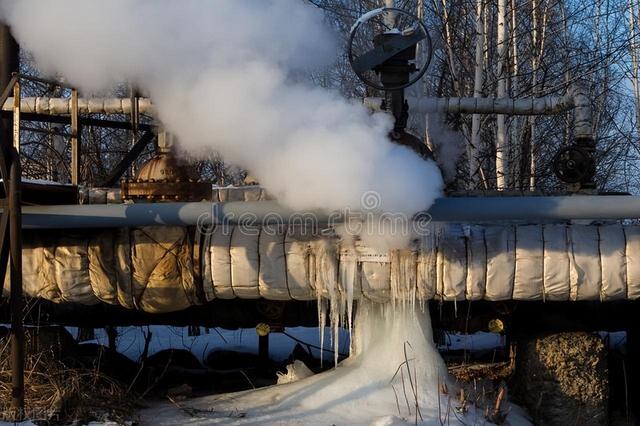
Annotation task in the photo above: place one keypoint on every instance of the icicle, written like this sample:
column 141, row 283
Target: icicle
column 348, row 277
column 327, row 281
column 350, row 313
column 316, row 278
column 335, row 327
column 322, row 320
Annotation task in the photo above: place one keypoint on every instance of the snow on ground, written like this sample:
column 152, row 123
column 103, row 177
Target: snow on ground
column 480, row 341
column 395, row 378
column 361, row 390
column 131, row 341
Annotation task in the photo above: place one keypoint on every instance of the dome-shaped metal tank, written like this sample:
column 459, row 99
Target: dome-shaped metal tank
column 165, row 178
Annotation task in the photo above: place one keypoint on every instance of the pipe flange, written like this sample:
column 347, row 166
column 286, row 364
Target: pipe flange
column 574, row 164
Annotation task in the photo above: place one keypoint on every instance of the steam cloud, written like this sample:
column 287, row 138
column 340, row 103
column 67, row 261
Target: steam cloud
column 221, row 77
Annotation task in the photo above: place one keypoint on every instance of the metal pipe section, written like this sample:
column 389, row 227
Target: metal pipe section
column 535, row 209
column 63, row 106
column 168, row 214
column 257, row 213
column 524, row 106
column 576, row 98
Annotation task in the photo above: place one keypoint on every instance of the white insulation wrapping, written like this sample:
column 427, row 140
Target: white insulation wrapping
column 152, row 268
column 62, row 106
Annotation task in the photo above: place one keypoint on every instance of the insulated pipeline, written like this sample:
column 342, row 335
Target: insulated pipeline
column 62, row 106
column 576, row 98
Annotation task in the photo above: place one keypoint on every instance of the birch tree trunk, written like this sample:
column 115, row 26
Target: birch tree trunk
column 422, row 91
column 538, row 40
column 501, row 136
column 474, row 145
column 634, row 62
column 390, row 17
column 444, row 18
column 516, row 151
column 534, row 83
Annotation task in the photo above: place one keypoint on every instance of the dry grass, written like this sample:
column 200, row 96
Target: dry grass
column 58, row 394
column 495, row 371
column 483, row 385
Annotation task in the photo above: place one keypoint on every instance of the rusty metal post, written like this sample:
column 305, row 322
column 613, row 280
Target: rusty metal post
column 9, row 64
column 135, row 121
column 16, row 114
column 75, row 139
column 16, row 301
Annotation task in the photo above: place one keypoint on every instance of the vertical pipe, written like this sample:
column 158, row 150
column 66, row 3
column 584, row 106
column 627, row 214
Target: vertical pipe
column 263, row 350
column 16, row 299
column 75, row 139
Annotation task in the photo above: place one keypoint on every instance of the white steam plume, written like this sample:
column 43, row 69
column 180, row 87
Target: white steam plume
column 219, row 74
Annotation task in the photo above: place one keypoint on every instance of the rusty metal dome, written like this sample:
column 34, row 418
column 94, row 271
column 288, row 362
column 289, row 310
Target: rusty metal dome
column 163, row 167
column 165, row 178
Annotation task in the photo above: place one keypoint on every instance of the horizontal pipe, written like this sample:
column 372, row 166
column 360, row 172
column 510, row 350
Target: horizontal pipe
column 576, row 98
column 453, row 209
column 524, row 106
column 536, row 209
column 147, row 214
column 62, row 106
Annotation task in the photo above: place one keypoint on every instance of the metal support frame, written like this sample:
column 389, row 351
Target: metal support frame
column 11, row 213
column 135, row 120
column 82, row 121
column 75, row 122
column 75, row 139
column 16, row 114
column 135, row 151
column 16, row 300
column 10, row 219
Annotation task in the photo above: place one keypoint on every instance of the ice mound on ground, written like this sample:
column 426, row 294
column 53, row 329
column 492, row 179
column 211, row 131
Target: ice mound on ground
column 297, row 370
column 395, row 376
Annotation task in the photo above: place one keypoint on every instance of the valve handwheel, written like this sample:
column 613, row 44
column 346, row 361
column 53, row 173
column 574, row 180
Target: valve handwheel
column 389, row 49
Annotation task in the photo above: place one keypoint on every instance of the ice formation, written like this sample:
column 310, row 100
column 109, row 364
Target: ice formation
column 394, row 376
